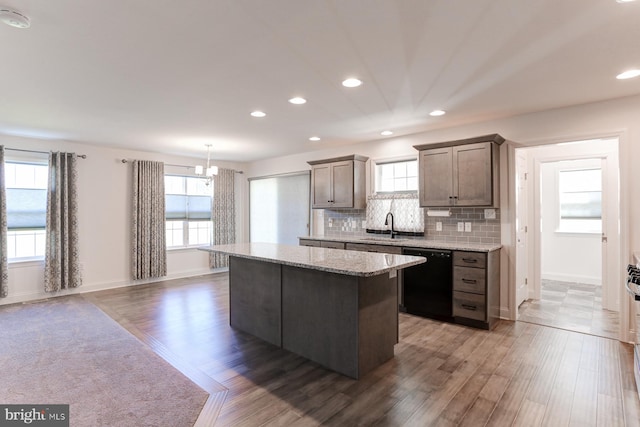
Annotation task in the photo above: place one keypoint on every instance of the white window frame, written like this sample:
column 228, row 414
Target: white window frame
column 374, row 173
column 185, row 223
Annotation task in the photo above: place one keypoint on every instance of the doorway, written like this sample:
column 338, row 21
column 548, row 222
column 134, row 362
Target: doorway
column 569, row 254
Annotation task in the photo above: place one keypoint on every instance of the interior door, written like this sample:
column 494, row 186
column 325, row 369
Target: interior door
column 522, row 253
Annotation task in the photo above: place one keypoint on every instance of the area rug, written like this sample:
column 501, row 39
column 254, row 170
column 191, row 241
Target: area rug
column 66, row 351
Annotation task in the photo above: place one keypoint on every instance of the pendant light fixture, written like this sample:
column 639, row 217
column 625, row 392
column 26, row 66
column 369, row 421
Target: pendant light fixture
column 210, row 171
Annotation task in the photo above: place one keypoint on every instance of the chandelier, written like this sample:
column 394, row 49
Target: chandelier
column 210, row 171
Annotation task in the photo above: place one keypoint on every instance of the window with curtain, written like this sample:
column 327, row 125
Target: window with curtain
column 580, row 197
column 407, row 214
column 26, row 188
column 187, row 211
column 397, row 176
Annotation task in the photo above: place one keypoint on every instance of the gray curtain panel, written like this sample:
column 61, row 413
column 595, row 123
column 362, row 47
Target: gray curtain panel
column 61, row 259
column 149, row 245
column 4, row 271
column 224, row 215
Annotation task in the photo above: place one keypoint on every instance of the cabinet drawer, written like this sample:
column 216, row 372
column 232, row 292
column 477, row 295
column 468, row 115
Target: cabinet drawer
column 307, row 242
column 470, row 259
column 332, row 245
column 470, row 306
column 365, row 247
column 467, row 279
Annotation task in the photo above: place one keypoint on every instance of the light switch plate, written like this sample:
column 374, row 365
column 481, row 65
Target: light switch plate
column 438, row 226
column 467, row 227
column 461, row 226
column 489, row 214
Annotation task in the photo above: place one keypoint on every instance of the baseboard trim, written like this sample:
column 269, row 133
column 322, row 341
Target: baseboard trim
column 26, row 297
column 560, row 277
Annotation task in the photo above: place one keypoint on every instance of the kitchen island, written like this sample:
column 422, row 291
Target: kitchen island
column 338, row 308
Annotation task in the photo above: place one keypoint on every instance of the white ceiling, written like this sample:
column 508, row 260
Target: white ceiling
column 171, row 77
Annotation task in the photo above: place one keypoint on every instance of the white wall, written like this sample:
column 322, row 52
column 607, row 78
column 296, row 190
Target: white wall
column 565, row 256
column 104, row 192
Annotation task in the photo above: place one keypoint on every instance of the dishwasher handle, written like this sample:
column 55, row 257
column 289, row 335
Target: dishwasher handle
column 427, row 253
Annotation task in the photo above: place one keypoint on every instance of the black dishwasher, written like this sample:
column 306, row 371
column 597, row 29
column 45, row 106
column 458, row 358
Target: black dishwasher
column 427, row 287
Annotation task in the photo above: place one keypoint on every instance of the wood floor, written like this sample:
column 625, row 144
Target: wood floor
column 442, row 374
column 572, row 306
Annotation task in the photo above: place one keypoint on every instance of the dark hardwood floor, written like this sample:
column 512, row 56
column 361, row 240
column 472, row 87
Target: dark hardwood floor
column 442, row 374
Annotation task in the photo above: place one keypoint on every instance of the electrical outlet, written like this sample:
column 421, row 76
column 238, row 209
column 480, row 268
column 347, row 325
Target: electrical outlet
column 330, row 222
column 460, row 226
column 467, row 227
column 489, row 214
column 438, row 226
column 364, row 225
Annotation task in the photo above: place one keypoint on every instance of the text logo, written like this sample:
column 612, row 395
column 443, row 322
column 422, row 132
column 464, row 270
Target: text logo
column 34, row 415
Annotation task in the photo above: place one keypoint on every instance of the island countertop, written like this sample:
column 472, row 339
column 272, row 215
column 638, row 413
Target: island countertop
column 351, row 263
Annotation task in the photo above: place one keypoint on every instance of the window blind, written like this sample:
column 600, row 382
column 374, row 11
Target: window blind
column 26, row 208
column 187, row 208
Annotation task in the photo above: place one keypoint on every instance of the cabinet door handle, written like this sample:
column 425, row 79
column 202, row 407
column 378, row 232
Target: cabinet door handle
column 470, row 281
column 470, row 260
column 469, row 307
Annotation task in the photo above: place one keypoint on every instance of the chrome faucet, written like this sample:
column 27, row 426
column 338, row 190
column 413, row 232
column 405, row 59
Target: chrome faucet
column 386, row 222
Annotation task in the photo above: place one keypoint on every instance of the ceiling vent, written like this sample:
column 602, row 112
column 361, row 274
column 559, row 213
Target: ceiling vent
column 14, row 18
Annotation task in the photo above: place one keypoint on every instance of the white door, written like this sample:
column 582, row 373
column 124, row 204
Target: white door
column 522, row 258
column 610, row 244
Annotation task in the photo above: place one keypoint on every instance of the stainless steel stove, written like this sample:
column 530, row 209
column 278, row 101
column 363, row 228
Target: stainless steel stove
column 633, row 287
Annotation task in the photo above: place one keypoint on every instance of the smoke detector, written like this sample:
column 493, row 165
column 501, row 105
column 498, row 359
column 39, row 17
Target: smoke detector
column 14, row 18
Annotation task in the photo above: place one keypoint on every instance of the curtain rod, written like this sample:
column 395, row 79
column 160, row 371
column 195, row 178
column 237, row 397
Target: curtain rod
column 82, row 156
column 177, row 166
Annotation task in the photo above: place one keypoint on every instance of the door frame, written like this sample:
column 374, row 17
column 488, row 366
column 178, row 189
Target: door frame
column 626, row 309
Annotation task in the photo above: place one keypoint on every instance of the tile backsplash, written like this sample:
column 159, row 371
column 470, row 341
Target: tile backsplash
column 352, row 223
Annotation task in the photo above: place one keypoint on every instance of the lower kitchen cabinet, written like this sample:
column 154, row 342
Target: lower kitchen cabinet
column 473, row 283
column 367, row 247
column 322, row 243
column 476, row 288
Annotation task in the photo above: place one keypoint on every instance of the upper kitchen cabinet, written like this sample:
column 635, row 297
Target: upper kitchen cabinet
column 460, row 173
column 338, row 182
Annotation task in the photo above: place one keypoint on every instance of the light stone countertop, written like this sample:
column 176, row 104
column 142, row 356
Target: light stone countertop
column 410, row 243
column 350, row 263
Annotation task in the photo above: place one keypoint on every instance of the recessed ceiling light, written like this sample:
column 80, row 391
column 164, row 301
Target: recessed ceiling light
column 297, row 100
column 386, row 133
column 436, row 113
column 14, row 18
column 258, row 114
column 351, row 82
column 625, row 1
column 629, row 74
column 314, row 138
